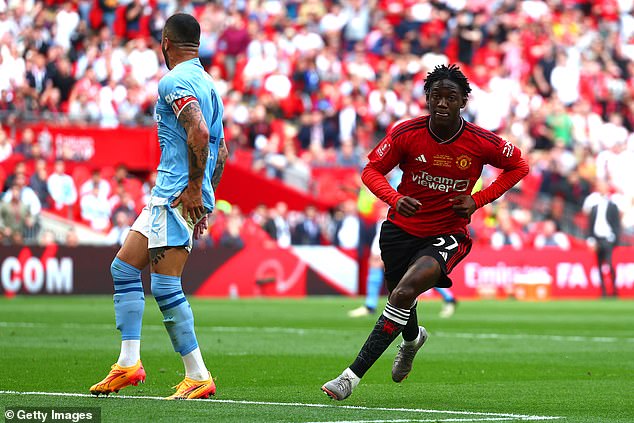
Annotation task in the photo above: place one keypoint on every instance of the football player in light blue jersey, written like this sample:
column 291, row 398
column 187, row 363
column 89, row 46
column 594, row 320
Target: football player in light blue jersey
column 193, row 155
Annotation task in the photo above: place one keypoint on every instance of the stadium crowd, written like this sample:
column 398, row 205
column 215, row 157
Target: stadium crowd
column 314, row 84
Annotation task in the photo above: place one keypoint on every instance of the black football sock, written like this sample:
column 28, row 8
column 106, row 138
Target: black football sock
column 410, row 332
column 389, row 325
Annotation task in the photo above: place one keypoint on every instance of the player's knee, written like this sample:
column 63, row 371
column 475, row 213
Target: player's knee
column 403, row 295
column 162, row 285
column 120, row 270
column 114, row 268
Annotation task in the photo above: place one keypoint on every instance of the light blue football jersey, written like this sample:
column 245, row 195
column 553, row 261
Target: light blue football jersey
column 187, row 79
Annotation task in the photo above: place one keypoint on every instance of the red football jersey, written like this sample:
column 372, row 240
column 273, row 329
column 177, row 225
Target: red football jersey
column 436, row 170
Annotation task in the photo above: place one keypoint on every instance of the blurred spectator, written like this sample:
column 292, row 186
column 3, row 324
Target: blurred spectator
column 122, row 201
column 348, row 155
column 307, row 43
column 36, row 76
column 564, row 79
column 318, row 131
column 347, row 228
column 16, row 219
column 134, row 12
column 19, row 169
column 506, row 235
column 233, row 42
column 261, row 217
column 88, row 88
column 62, row 78
column 95, row 210
column 107, row 9
column 347, row 119
column 103, row 187
column 560, row 123
column 120, row 229
column 66, row 21
column 143, row 61
column 604, row 232
column 358, row 22
column 278, row 226
column 61, row 187
column 231, row 235
column 470, row 35
column 574, row 189
column 72, row 239
column 259, row 126
column 290, row 168
column 27, row 144
column 111, row 97
column 120, row 175
column 39, row 182
column 550, row 236
column 27, row 195
column 6, row 147
column 332, row 22
column 308, row 230
column 47, row 238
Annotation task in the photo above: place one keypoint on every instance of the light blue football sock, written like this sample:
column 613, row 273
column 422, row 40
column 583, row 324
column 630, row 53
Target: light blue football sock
column 375, row 281
column 446, row 294
column 129, row 300
column 177, row 314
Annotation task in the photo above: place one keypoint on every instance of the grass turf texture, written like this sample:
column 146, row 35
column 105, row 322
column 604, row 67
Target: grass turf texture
column 570, row 359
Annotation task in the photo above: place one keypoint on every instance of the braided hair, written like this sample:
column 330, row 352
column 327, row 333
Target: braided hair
column 452, row 73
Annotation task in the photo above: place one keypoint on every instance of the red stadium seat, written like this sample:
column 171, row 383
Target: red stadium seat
column 3, row 176
column 80, row 174
column 134, row 187
column 242, row 157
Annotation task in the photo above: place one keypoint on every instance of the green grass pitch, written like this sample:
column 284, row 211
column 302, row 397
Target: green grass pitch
column 492, row 361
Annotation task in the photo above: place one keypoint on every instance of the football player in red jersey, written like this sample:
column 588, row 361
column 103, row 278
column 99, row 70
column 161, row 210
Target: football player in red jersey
column 425, row 234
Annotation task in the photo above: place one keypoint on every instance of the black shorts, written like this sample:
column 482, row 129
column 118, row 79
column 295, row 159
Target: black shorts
column 400, row 249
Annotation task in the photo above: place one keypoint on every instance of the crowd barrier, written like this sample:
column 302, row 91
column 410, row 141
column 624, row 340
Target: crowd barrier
column 265, row 270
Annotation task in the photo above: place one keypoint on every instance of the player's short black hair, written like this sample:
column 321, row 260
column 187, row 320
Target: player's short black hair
column 182, row 28
column 452, row 73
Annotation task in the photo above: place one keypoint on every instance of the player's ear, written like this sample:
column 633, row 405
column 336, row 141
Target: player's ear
column 464, row 102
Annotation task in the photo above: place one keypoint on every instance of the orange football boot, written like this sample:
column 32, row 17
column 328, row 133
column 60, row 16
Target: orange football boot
column 118, row 378
column 193, row 389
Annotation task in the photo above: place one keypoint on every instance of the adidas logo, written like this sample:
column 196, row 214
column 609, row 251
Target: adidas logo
column 443, row 254
column 421, row 158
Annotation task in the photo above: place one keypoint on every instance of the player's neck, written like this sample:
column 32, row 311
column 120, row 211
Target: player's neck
column 446, row 133
column 180, row 58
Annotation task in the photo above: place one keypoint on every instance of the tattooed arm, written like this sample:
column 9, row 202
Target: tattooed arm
column 193, row 121
column 223, row 153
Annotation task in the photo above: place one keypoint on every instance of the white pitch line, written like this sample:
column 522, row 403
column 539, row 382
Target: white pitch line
column 507, row 416
column 302, row 332
column 570, row 338
column 485, row 419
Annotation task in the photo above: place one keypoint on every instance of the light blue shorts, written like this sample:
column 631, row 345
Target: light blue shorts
column 164, row 225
